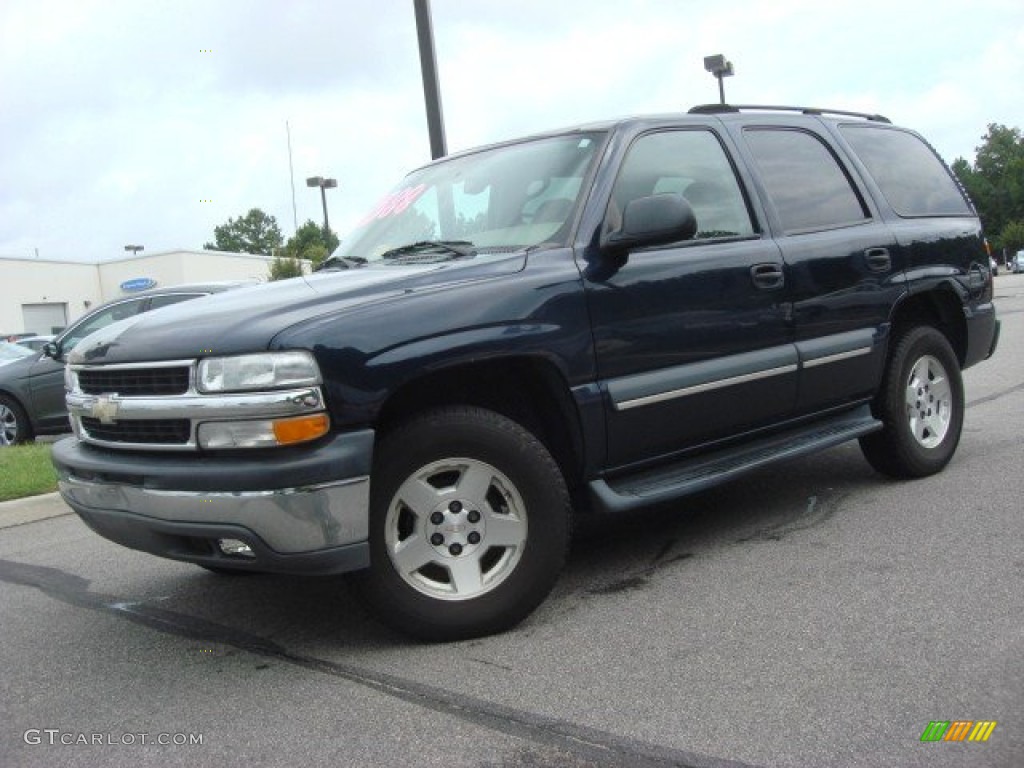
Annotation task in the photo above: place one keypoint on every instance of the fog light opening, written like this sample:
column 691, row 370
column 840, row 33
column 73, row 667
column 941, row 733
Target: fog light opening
column 235, row 548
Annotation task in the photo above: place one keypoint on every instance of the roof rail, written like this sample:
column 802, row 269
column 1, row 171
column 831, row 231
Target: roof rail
column 713, row 109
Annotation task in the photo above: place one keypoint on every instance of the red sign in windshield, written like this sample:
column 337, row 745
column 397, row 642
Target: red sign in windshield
column 393, row 204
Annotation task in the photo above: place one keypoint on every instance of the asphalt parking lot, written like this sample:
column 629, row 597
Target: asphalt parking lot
column 813, row 614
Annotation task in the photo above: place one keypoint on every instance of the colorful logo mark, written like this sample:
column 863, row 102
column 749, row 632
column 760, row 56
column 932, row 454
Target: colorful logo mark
column 958, row 730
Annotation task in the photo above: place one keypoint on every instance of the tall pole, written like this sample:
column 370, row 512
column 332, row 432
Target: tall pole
column 323, row 199
column 291, row 178
column 431, row 86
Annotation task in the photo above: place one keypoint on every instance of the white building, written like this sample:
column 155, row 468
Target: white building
column 43, row 296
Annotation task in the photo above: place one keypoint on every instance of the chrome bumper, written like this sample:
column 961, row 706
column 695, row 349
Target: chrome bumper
column 288, row 520
column 299, row 510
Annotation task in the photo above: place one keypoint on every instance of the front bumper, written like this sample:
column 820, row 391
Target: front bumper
column 299, row 510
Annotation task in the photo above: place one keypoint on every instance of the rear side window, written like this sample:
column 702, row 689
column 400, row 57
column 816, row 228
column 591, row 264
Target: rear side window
column 167, row 299
column 910, row 175
column 808, row 187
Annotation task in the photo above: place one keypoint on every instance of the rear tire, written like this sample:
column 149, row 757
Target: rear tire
column 921, row 404
column 469, row 525
column 14, row 424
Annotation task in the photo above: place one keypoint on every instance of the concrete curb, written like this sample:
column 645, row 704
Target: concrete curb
column 32, row 508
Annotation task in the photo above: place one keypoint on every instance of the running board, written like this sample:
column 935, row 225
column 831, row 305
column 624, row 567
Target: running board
column 671, row 481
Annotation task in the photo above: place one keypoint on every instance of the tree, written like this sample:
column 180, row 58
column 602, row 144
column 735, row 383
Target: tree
column 255, row 233
column 1012, row 237
column 308, row 243
column 996, row 182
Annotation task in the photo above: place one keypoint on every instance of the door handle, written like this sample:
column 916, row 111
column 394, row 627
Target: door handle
column 878, row 259
column 767, row 277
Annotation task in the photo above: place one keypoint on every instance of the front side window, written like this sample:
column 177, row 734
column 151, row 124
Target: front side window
column 911, row 176
column 500, row 199
column 804, row 180
column 690, row 162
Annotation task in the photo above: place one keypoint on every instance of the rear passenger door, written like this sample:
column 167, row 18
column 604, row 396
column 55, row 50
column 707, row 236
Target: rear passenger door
column 691, row 338
column 843, row 266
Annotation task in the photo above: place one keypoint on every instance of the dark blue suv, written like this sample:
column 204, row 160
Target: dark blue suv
column 591, row 319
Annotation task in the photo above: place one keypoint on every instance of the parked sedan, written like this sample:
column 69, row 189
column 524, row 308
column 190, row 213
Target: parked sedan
column 32, row 386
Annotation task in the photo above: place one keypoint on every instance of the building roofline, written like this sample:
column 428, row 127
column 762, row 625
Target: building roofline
column 34, row 260
column 116, row 259
column 186, row 251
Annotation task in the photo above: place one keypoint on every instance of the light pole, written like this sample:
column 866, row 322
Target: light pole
column 324, row 184
column 431, row 83
column 134, row 249
column 721, row 68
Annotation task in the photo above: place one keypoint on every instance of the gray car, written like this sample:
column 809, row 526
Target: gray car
column 32, row 387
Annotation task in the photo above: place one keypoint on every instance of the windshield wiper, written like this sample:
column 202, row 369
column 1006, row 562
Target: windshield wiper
column 340, row 262
column 456, row 249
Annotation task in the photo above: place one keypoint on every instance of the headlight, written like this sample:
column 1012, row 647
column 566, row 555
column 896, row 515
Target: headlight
column 268, row 370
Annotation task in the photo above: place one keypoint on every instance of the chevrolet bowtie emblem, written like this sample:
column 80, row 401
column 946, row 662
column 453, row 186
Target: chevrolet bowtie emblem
column 105, row 408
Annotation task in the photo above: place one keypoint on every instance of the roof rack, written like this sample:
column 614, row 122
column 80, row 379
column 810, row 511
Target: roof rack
column 713, row 109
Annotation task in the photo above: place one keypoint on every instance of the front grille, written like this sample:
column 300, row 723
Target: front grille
column 146, row 431
column 135, row 381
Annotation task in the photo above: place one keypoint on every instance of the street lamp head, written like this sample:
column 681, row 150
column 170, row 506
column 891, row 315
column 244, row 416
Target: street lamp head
column 718, row 65
column 134, row 248
column 320, row 181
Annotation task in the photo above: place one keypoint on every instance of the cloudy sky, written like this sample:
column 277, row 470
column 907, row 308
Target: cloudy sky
column 153, row 121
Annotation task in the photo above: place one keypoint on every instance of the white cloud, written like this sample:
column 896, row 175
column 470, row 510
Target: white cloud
column 116, row 124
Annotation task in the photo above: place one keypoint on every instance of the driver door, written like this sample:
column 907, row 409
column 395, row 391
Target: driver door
column 693, row 340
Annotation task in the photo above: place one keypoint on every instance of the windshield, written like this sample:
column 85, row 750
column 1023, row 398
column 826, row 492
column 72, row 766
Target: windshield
column 500, row 199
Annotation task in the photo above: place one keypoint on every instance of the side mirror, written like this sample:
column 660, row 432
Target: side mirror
column 52, row 350
column 653, row 220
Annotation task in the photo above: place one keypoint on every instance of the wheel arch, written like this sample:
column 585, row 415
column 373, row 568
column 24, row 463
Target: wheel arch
column 528, row 389
column 940, row 307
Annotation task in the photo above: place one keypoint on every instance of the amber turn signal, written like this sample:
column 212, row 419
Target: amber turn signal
column 301, row 429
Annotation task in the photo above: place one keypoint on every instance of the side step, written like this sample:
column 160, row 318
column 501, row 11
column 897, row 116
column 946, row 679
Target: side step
column 671, row 481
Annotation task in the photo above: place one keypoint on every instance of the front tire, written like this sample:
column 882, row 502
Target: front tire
column 469, row 525
column 921, row 404
column 14, row 424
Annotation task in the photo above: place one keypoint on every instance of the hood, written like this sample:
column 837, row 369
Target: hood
column 247, row 319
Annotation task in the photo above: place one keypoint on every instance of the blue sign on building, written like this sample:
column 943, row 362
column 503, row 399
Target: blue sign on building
column 138, row 284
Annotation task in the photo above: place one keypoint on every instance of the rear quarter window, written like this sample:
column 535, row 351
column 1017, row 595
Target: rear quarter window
column 913, row 179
